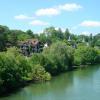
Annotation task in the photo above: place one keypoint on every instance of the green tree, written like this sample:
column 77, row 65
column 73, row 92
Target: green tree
column 59, row 58
column 86, row 55
column 67, row 34
column 96, row 40
column 30, row 33
column 3, row 37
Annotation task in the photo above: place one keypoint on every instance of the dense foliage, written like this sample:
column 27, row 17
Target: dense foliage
column 86, row 55
column 59, row 58
column 55, row 59
column 64, row 51
column 16, row 69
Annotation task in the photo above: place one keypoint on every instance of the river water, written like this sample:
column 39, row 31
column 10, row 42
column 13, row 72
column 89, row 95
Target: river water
column 81, row 84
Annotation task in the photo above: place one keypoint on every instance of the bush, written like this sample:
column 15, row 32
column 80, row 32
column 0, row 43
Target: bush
column 39, row 73
column 16, row 69
column 37, row 58
column 58, row 58
column 9, row 72
column 86, row 55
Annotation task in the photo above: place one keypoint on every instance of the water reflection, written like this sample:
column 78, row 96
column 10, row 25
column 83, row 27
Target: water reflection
column 83, row 84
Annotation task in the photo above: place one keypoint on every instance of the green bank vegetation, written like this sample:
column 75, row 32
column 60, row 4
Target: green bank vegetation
column 65, row 51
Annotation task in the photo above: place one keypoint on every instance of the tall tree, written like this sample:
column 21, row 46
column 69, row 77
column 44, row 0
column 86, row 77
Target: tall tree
column 30, row 33
column 3, row 37
column 67, row 34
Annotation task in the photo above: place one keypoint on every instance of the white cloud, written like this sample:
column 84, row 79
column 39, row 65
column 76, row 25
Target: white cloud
column 57, row 10
column 90, row 23
column 70, row 7
column 38, row 23
column 47, row 12
column 23, row 17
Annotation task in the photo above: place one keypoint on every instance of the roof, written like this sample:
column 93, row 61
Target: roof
column 31, row 42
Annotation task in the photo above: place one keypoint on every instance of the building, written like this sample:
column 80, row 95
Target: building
column 30, row 46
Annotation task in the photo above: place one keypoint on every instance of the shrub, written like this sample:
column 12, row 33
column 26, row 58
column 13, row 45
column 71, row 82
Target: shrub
column 16, row 69
column 39, row 73
column 85, row 55
column 58, row 58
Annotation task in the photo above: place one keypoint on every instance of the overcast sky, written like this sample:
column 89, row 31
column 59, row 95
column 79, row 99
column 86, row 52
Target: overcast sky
column 80, row 16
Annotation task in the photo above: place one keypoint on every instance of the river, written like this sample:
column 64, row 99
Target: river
column 81, row 84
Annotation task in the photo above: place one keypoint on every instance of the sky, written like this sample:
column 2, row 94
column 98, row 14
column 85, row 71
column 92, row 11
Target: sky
column 79, row 16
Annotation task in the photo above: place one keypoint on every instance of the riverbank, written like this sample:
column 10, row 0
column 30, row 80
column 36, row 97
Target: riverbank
column 72, row 85
column 17, row 69
column 24, row 84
